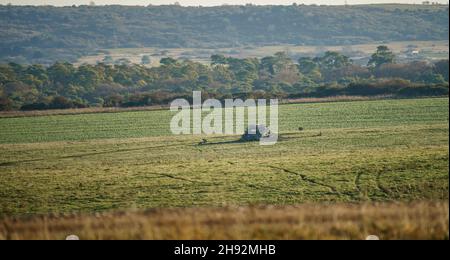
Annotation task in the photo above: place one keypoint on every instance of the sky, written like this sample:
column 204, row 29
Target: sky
column 205, row 2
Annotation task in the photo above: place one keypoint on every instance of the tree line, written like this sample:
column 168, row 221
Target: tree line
column 63, row 85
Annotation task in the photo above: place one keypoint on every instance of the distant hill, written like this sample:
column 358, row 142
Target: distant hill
column 45, row 34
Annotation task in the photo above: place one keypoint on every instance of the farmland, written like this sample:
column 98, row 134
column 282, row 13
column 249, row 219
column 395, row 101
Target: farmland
column 316, row 116
column 381, row 151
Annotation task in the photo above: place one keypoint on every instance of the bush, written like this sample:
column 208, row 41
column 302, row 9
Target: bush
column 5, row 104
column 424, row 90
column 34, row 106
column 61, row 103
column 138, row 100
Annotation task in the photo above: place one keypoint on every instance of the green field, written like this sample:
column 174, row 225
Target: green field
column 389, row 150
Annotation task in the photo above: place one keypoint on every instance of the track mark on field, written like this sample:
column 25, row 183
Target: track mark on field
column 173, row 177
column 361, row 194
column 18, row 162
column 306, row 179
column 120, row 151
column 358, row 181
column 379, row 185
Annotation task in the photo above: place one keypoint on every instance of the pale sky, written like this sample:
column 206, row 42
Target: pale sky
column 205, row 2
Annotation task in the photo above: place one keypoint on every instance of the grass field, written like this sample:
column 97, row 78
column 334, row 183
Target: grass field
column 388, row 151
column 317, row 116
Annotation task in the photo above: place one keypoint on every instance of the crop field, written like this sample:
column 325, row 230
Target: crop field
column 363, row 153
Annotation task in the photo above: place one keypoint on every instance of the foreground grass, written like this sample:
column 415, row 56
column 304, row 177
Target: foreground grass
column 423, row 220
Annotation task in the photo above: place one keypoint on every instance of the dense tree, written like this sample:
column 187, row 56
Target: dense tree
column 442, row 68
column 383, row 56
column 168, row 61
column 61, row 73
column 5, row 104
column 332, row 60
column 417, row 71
column 61, row 103
column 307, row 65
column 218, row 59
column 63, row 85
column 310, row 68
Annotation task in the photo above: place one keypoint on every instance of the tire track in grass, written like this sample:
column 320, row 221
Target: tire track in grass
column 173, row 177
column 306, row 179
column 358, row 182
column 378, row 184
column 361, row 194
column 378, row 181
column 4, row 164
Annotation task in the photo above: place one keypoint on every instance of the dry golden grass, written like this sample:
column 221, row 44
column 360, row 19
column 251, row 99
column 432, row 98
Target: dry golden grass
column 420, row 220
